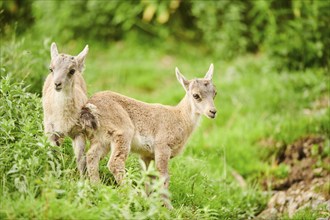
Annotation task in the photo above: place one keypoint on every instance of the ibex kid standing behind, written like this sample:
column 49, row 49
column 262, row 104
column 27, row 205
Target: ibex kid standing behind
column 64, row 93
column 156, row 132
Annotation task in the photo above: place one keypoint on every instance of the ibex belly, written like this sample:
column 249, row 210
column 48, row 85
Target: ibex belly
column 143, row 145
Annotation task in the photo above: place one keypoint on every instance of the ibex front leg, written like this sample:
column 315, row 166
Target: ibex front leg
column 78, row 144
column 150, row 178
column 162, row 157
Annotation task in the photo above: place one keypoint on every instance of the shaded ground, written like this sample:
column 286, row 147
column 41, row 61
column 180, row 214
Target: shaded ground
column 303, row 180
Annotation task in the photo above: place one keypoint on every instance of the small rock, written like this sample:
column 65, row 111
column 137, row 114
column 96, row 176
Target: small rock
column 318, row 171
column 292, row 208
column 281, row 198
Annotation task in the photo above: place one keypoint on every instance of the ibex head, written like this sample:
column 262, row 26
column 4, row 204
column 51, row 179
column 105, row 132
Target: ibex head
column 201, row 92
column 64, row 67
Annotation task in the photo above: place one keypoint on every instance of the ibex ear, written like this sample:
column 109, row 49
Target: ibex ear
column 209, row 73
column 53, row 51
column 181, row 79
column 81, row 58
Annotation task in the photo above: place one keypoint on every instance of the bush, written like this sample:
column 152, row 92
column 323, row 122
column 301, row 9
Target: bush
column 21, row 138
column 97, row 20
column 222, row 26
column 298, row 37
column 293, row 33
column 15, row 15
column 25, row 59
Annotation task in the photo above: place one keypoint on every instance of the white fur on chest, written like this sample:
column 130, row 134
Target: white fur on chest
column 64, row 114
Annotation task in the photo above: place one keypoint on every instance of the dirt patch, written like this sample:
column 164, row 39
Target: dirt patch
column 306, row 179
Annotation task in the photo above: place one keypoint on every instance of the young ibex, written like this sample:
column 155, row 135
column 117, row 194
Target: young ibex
column 64, row 94
column 156, row 132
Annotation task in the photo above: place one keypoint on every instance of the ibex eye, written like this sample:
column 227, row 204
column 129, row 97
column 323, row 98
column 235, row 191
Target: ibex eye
column 72, row 71
column 196, row 96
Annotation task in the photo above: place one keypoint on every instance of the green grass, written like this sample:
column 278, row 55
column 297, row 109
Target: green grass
column 254, row 102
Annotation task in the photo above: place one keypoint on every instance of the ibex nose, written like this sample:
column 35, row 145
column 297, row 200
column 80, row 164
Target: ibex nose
column 213, row 111
column 58, row 86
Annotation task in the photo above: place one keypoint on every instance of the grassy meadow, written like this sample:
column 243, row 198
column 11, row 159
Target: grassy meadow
column 254, row 103
column 221, row 172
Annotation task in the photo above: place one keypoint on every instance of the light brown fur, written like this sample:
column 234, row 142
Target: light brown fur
column 63, row 96
column 156, row 132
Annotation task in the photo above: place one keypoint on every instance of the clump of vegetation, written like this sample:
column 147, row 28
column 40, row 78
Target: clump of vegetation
column 293, row 33
column 23, row 148
column 25, row 60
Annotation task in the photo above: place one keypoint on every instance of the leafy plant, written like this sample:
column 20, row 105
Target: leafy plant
column 26, row 60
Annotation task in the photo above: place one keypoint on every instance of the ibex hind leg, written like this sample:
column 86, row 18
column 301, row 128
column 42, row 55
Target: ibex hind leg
column 94, row 155
column 120, row 147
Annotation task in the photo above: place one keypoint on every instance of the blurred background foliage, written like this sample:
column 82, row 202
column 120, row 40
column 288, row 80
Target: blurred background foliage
column 295, row 34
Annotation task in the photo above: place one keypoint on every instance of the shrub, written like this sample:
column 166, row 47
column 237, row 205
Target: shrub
column 98, row 20
column 15, row 14
column 25, row 59
column 298, row 39
column 293, row 33
column 23, row 147
column 222, row 26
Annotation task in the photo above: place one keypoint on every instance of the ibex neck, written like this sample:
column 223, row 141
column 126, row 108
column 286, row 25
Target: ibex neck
column 188, row 111
column 68, row 91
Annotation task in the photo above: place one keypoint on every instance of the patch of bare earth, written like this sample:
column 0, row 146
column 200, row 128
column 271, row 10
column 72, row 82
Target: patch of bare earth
column 307, row 183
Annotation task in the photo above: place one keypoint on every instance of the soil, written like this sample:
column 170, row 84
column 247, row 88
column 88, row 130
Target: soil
column 307, row 183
